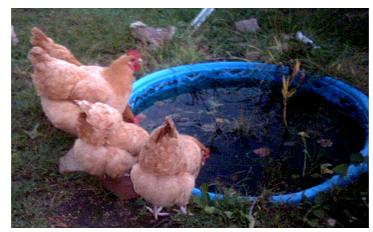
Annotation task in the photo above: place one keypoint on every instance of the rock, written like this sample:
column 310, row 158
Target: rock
column 248, row 25
column 154, row 37
column 304, row 39
column 262, row 152
column 14, row 37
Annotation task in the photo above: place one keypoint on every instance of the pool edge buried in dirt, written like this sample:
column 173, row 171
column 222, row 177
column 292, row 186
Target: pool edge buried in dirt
column 334, row 91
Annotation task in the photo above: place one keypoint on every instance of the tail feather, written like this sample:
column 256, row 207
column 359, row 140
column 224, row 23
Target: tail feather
column 167, row 129
column 37, row 54
column 38, row 37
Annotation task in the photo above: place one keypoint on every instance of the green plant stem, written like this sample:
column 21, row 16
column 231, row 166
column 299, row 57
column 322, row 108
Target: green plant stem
column 284, row 114
column 305, row 151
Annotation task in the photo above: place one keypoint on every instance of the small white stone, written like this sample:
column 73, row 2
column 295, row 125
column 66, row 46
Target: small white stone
column 248, row 25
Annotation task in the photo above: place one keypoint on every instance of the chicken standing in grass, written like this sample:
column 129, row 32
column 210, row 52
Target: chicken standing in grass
column 154, row 37
column 60, row 79
column 168, row 166
column 106, row 145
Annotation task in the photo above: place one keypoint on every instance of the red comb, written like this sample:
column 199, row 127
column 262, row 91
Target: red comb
column 136, row 66
column 133, row 52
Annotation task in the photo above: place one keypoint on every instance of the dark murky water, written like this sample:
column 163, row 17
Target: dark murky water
column 235, row 121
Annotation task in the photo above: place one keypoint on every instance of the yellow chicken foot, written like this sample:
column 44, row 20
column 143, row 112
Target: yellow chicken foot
column 181, row 210
column 156, row 211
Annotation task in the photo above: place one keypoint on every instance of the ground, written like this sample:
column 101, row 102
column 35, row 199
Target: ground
column 41, row 197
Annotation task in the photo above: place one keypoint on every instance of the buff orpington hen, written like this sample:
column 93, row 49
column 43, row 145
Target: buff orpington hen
column 40, row 39
column 59, row 81
column 107, row 146
column 167, row 168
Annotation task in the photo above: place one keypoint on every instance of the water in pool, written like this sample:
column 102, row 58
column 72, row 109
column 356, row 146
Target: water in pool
column 251, row 150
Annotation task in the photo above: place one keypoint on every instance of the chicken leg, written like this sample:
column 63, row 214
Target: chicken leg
column 156, row 211
column 183, row 210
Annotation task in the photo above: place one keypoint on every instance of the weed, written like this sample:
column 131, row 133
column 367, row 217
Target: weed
column 287, row 91
column 303, row 136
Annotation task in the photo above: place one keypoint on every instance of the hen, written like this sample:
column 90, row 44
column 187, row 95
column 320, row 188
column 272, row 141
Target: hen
column 167, row 168
column 106, row 145
column 154, row 36
column 59, row 81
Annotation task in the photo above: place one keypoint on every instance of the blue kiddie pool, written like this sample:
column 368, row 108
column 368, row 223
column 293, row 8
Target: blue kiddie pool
column 189, row 77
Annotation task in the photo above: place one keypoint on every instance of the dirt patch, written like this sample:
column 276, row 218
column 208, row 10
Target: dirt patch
column 86, row 208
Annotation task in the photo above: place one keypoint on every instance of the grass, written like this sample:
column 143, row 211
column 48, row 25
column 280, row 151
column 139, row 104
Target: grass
column 41, row 197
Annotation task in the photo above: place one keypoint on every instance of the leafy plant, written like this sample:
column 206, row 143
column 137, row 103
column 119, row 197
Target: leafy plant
column 233, row 210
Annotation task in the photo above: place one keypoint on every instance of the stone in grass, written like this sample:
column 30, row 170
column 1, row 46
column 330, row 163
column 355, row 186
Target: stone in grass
column 14, row 37
column 262, row 152
column 153, row 37
column 247, row 25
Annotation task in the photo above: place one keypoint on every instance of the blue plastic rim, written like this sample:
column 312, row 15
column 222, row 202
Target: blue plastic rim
column 334, row 91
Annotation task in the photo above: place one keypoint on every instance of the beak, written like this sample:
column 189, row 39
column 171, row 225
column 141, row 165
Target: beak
column 140, row 61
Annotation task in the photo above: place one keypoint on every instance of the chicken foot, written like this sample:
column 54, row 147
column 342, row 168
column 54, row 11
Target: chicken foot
column 182, row 210
column 156, row 211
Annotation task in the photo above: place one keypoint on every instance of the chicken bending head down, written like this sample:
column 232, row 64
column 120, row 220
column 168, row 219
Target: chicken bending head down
column 106, row 145
column 168, row 165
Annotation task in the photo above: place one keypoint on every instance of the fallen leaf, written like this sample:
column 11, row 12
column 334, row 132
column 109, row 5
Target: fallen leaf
column 208, row 127
column 229, row 214
column 262, row 152
column 234, row 178
column 303, row 134
column 219, row 120
column 209, row 209
column 325, row 142
column 61, row 225
column 33, row 134
column 324, row 169
column 57, row 222
column 214, row 103
column 331, row 222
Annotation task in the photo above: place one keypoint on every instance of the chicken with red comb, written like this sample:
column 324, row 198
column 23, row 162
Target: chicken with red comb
column 60, row 79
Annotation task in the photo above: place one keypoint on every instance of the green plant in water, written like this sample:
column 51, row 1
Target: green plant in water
column 303, row 135
column 287, row 91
